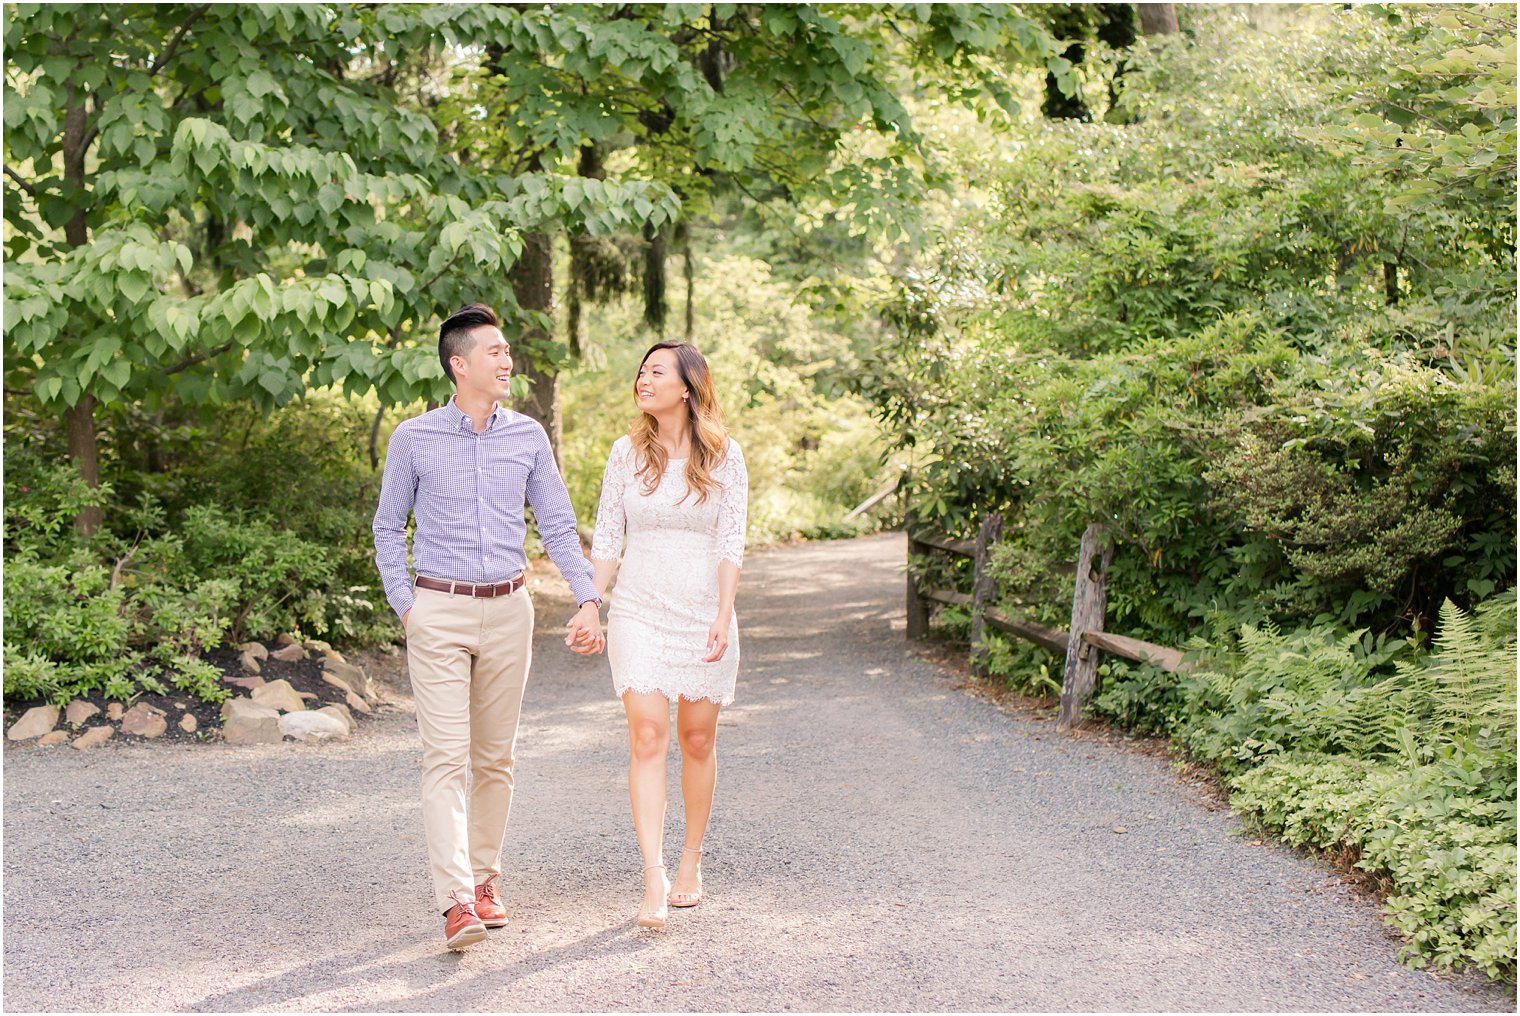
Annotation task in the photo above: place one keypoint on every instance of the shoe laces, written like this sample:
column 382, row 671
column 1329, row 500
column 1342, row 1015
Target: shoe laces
column 487, row 890
column 468, row 905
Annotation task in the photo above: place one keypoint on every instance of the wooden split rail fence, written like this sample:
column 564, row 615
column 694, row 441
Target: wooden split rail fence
column 1082, row 642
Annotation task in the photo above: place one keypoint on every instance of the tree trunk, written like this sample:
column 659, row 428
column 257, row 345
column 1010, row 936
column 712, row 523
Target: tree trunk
column 590, row 167
column 687, row 271
column 533, row 280
column 575, row 293
column 1158, row 19
column 84, row 447
column 654, row 280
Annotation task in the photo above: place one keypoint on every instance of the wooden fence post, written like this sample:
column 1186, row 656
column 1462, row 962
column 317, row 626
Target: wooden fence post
column 918, row 607
column 983, row 590
column 1088, row 605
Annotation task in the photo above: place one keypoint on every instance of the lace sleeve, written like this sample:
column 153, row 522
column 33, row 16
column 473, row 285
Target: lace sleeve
column 733, row 509
column 607, row 541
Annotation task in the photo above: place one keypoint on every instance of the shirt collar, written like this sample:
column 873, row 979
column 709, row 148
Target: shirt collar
column 459, row 421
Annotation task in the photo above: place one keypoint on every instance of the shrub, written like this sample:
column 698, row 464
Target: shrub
column 1342, row 741
column 66, row 631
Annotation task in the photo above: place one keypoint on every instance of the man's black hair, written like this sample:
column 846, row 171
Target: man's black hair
column 454, row 338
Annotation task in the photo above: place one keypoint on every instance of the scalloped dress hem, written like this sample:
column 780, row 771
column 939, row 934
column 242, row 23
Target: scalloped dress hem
column 717, row 700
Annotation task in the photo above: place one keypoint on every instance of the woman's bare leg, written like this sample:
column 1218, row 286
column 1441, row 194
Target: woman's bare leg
column 648, row 744
column 697, row 731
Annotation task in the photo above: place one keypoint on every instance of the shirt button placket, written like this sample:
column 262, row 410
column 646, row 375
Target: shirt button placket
column 480, row 499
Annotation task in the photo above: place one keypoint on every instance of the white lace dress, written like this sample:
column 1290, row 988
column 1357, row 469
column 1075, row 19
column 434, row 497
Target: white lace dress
column 666, row 597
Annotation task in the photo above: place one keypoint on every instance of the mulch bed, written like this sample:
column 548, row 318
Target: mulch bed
column 303, row 675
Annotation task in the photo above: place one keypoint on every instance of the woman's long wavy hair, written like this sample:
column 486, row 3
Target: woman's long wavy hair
column 709, row 435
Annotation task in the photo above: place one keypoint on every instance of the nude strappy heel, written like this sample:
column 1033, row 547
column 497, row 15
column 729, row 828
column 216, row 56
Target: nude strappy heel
column 653, row 919
column 684, row 900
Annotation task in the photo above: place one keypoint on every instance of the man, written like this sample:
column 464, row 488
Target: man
column 466, row 471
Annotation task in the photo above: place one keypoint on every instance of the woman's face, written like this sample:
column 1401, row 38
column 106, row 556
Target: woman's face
column 659, row 388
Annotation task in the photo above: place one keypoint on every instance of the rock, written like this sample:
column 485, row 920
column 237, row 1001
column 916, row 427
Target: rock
column 114, row 711
column 333, row 654
column 309, row 696
column 188, row 723
column 79, row 710
column 56, row 737
column 318, row 646
column 337, row 682
column 279, row 695
column 256, row 648
column 250, row 663
column 94, row 738
column 355, row 702
column 35, row 722
column 341, row 711
column 286, row 639
column 144, row 721
column 292, row 653
column 342, row 674
column 255, row 681
column 246, row 722
column 349, row 677
column 313, row 726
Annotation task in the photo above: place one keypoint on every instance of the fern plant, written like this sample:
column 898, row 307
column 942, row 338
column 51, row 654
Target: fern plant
column 1460, row 699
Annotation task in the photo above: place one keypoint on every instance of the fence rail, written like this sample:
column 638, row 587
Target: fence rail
column 1082, row 641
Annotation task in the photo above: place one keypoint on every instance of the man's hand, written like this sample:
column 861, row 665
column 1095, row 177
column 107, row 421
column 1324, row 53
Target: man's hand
column 404, row 616
column 584, row 630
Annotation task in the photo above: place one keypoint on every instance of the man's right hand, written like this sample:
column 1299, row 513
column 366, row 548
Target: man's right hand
column 404, row 617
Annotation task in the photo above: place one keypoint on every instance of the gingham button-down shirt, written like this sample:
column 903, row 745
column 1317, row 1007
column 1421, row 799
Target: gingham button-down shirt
column 468, row 492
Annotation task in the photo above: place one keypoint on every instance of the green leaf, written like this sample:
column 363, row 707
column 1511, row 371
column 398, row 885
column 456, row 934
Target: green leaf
column 133, row 286
column 273, row 381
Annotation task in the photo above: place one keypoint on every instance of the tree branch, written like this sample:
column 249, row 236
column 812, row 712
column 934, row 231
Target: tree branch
column 805, row 241
column 192, row 361
column 441, row 272
column 20, row 182
column 116, row 572
column 174, row 41
column 374, row 439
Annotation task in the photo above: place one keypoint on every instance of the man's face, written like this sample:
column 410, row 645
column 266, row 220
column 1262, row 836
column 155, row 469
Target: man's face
column 487, row 368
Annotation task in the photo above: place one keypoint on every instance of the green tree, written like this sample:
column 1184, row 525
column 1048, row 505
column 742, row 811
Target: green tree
column 227, row 203
column 762, row 99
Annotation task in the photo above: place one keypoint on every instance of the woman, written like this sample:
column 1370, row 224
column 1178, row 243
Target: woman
column 676, row 486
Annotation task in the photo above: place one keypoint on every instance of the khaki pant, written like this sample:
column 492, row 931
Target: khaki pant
column 468, row 659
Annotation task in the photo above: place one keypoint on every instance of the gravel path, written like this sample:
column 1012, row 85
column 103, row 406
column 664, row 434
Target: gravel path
column 881, row 841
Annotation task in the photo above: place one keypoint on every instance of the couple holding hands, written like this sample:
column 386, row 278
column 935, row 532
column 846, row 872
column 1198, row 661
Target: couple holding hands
column 675, row 486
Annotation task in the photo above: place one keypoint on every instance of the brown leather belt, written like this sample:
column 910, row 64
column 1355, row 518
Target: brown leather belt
column 506, row 588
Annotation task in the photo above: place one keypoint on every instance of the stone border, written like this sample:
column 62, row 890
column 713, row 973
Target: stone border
column 268, row 713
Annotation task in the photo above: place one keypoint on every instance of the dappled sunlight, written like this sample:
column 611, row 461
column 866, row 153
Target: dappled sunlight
column 1187, row 327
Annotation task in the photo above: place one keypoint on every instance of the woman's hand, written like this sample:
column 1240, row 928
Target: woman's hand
column 717, row 640
column 585, row 630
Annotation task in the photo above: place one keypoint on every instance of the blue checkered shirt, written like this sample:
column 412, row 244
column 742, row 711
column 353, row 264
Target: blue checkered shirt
column 468, row 493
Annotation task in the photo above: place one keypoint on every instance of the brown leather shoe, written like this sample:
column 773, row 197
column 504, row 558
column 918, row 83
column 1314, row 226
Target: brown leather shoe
column 462, row 927
column 488, row 905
